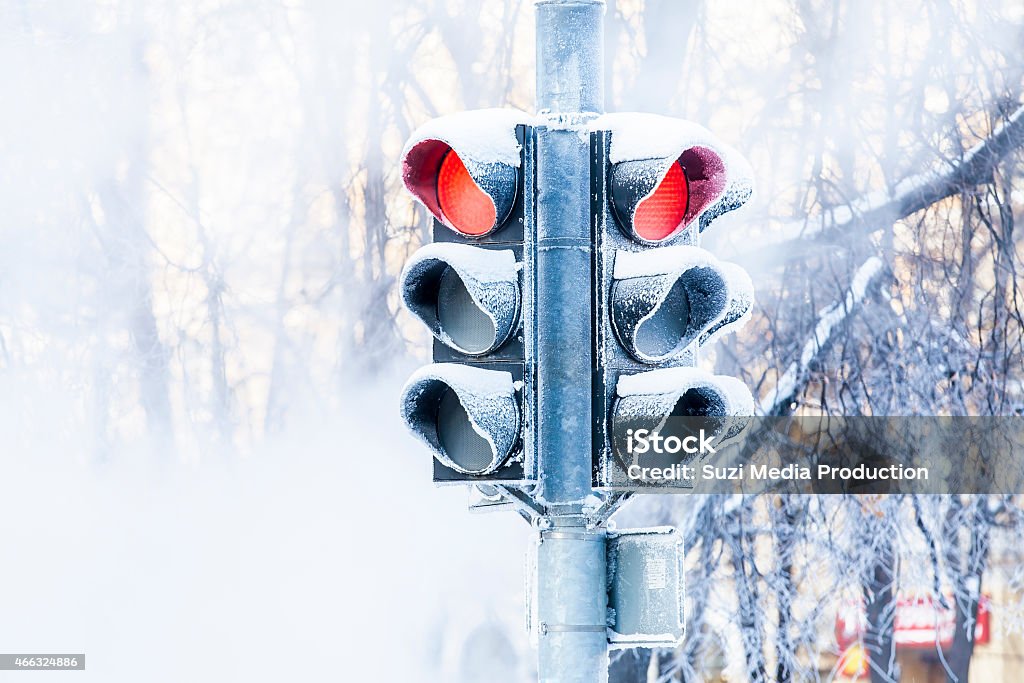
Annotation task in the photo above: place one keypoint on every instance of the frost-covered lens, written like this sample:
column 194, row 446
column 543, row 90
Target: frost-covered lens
column 660, row 334
column 457, row 438
column 658, row 216
column 460, row 317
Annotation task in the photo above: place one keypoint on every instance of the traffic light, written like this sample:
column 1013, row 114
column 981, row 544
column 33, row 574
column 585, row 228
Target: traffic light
column 657, row 183
column 473, row 173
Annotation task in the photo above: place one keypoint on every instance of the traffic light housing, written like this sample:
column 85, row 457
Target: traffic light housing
column 664, row 299
column 657, row 183
column 473, row 172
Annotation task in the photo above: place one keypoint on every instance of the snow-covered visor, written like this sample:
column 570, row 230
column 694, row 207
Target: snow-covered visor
column 668, row 174
column 479, row 289
column 468, row 416
column 662, row 300
column 682, row 400
column 464, row 168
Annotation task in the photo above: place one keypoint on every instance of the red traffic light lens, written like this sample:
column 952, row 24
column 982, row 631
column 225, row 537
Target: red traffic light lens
column 658, row 216
column 464, row 205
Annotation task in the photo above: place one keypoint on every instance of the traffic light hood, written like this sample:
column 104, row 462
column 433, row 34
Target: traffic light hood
column 741, row 303
column 437, row 280
column 662, row 300
column 467, row 416
column 486, row 145
column 643, row 150
column 682, row 392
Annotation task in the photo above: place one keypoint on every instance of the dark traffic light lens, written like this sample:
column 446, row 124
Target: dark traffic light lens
column 658, row 216
column 699, row 402
column 460, row 317
column 458, row 439
column 465, row 206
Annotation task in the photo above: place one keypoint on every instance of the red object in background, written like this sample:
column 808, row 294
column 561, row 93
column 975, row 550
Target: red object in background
column 465, row 206
column 920, row 623
column 658, row 216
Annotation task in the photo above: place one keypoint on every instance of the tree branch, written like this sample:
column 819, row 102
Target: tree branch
column 911, row 194
column 796, row 375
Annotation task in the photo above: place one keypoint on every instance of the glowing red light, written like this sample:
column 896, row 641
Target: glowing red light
column 465, row 206
column 658, row 216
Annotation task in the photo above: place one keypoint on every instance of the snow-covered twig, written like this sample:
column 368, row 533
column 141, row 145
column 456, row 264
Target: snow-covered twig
column 881, row 208
column 796, row 374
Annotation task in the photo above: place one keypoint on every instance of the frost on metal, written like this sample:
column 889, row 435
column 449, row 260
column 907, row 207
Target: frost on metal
column 681, row 293
column 645, row 587
column 719, row 178
column 489, row 276
column 741, row 304
column 532, row 580
column 683, row 392
column 487, row 396
column 484, row 135
column 485, row 140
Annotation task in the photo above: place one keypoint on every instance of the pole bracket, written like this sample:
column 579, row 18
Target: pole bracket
column 599, row 516
column 524, row 504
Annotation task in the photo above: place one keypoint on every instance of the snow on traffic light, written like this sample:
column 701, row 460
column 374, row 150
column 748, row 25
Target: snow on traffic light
column 469, row 417
column 661, row 416
column 468, row 297
column 662, row 300
column 465, row 169
column 665, row 175
column 467, row 289
column 657, row 184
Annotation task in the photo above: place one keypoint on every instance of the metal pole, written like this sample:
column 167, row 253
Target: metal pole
column 570, row 56
column 571, row 592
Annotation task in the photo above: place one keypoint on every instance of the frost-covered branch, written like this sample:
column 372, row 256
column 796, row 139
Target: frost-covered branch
column 917, row 192
column 796, row 374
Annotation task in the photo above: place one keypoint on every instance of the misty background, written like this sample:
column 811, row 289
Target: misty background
column 202, row 471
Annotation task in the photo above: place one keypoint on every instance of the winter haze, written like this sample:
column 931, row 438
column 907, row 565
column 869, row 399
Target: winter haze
column 203, row 475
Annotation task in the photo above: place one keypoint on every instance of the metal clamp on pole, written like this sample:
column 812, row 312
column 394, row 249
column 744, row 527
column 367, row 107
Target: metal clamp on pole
column 546, row 628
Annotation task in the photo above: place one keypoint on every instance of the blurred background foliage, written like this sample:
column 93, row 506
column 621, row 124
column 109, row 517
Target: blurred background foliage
column 204, row 220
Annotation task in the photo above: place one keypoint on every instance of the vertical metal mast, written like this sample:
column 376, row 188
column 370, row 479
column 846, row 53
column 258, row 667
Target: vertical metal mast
column 571, row 595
